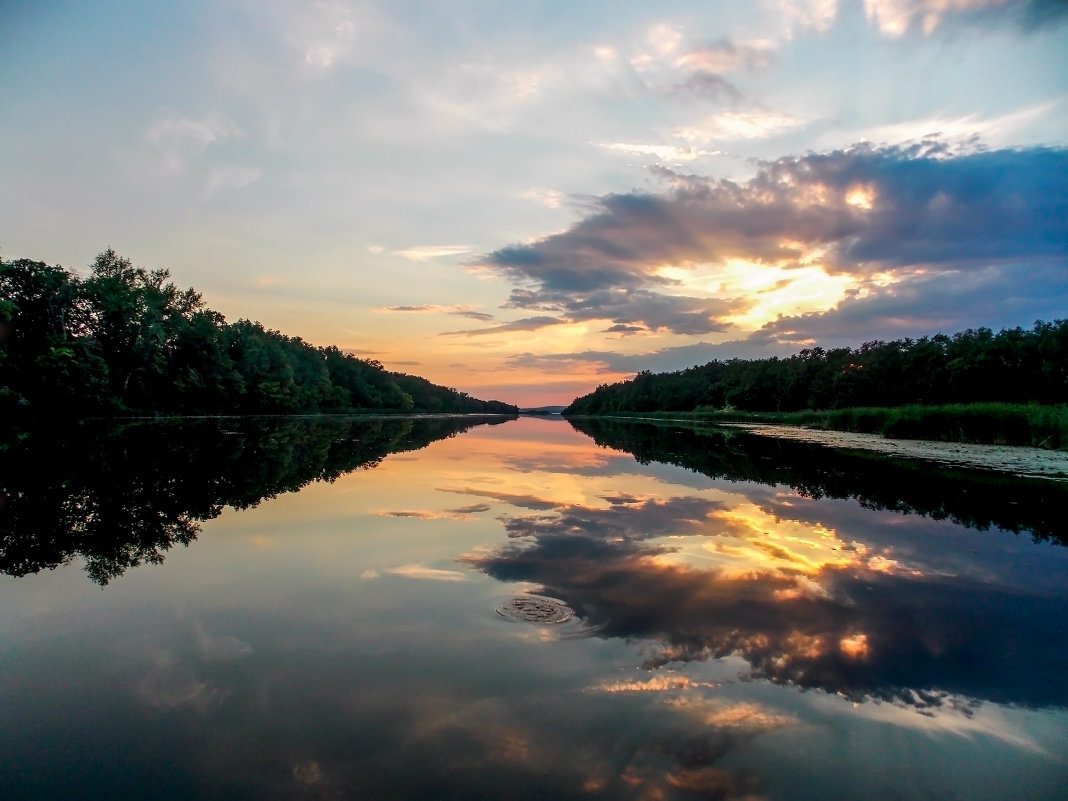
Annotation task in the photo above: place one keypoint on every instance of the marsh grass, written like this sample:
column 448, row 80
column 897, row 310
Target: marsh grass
column 982, row 423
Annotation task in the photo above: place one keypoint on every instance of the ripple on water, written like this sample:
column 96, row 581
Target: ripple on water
column 536, row 609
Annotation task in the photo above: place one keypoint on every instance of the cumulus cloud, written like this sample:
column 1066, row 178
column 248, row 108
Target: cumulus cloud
column 898, row 212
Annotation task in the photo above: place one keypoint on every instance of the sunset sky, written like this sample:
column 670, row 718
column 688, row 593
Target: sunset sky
column 525, row 200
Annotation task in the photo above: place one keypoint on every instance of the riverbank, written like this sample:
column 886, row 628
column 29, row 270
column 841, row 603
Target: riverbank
column 1029, row 425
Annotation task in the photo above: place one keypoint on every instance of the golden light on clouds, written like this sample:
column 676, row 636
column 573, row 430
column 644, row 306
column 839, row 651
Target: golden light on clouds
column 799, row 287
column 861, row 197
column 854, row 646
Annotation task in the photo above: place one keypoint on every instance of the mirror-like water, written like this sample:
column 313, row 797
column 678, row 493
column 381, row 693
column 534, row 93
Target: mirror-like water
column 448, row 608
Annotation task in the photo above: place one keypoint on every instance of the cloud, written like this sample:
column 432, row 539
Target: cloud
column 230, row 176
column 994, row 296
column 725, row 56
column 550, row 198
column 461, row 311
column 526, row 324
column 794, row 15
column 662, row 360
column 670, row 153
column 423, row 573
column 461, row 513
column 427, row 252
column 482, row 317
column 892, row 211
column 841, row 623
column 735, row 125
column 710, row 86
column 923, row 17
column 180, row 139
column 625, row 329
column 963, row 132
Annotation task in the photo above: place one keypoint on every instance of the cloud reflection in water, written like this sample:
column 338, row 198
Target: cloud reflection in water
column 805, row 602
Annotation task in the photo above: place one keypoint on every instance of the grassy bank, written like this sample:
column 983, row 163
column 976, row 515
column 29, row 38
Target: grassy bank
column 984, row 423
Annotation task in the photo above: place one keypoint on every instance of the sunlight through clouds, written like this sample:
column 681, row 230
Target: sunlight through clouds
column 576, row 177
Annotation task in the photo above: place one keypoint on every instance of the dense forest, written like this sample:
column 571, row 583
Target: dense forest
column 1012, row 366
column 126, row 340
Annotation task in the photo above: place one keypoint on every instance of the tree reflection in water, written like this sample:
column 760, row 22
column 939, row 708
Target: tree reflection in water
column 122, row 495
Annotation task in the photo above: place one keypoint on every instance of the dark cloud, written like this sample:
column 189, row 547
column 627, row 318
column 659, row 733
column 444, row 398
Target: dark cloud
column 634, row 309
column 526, row 324
column 625, row 330
column 482, row 317
column 663, row 360
column 980, row 217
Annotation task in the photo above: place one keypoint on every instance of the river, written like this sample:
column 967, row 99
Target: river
column 335, row 608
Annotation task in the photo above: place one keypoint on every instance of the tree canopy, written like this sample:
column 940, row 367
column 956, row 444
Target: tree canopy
column 1013, row 366
column 126, row 340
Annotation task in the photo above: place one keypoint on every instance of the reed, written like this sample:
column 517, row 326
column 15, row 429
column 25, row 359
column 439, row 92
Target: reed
column 1034, row 425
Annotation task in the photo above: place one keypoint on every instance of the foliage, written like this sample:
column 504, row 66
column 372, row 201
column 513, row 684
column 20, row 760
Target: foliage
column 1034, row 425
column 127, row 340
column 1013, row 366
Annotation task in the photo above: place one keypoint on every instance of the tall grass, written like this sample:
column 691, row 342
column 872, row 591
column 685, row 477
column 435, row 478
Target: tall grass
column 986, row 423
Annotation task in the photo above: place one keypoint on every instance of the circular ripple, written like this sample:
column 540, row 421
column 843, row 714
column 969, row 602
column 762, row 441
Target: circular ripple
column 535, row 609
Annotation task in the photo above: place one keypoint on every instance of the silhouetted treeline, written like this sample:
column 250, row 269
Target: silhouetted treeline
column 127, row 340
column 973, row 498
column 119, row 495
column 1014, row 366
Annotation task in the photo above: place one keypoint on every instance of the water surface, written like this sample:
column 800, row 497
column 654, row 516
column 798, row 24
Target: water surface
column 446, row 608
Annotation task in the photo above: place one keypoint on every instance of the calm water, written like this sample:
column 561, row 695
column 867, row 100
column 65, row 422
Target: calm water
column 737, row 618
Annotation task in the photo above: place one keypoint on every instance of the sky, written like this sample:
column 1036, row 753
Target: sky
column 526, row 200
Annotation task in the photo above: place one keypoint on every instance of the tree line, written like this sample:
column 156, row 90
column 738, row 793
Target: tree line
column 1012, row 366
column 126, row 340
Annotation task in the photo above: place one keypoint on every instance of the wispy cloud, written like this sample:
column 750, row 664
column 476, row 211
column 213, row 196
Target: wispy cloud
column 668, row 153
column 736, row 125
column 460, row 311
column 230, row 176
column 424, row 573
column 726, row 56
column 525, row 324
column 179, row 139
column 427, row 252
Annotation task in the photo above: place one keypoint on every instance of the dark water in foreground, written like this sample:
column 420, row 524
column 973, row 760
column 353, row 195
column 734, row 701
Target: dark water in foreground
column 444, row 608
